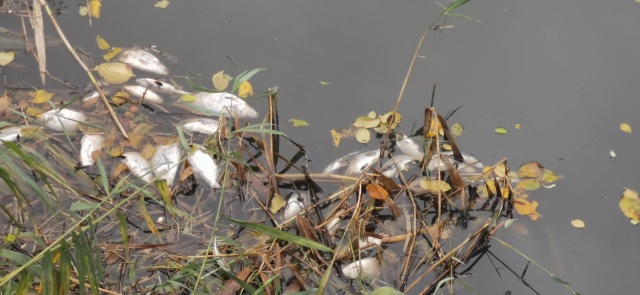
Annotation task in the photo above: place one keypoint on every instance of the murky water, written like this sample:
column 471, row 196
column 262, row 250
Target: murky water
column 566, row 71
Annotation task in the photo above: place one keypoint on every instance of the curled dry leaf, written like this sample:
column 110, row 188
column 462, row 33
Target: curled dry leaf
column 630, row 204
column 377, row 192
column 298, row 122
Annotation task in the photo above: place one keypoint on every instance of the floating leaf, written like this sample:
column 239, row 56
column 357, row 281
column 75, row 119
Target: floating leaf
column 529, row 184
column 392, row 119
column 112, row 53
column 625, row 127
column 94, row 8
column 83, row 10
column 446, row 147
column 34, row 111
column 490, row 186
column 434, row 185
column 188, row 97
column 7, row 57
column 630, row 204
column 500, row 170
column 41, row 96
column 277, row 203
column 366, row 122
column 162, row 4
column 501, row 130
column 377, row 192
column 577, row 223
column 245, row 90
column 220, row 80
column 363, row 135
column 114, row 72
column 298, row 122
column 324, row 83
column 432, row 127
column 457, row 129
column 120, row 97
column 526, row 208
column 336, row 137
column 612, row 154
column 4, row 102
column 531, row 169
column 517, row 125
column 509, row 222
column 549, row 176
column 372, row 115
column 102, row 43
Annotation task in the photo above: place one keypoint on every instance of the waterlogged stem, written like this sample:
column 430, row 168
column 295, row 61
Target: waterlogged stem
column 86, row 69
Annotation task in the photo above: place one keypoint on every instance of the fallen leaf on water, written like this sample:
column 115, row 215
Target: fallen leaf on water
column 509, row 222
column 366, row 122
column 220, row 80
column 517, row 125
column 446, row 147
column 625, row 127
column 114, row 72
column 457, row 129
column 277, row 202
column 526, row 208
column 245, row 89
column 612, row 154
column 501, row 130
column 34, row 111
column 336, row 137
column 102, row 43
column 577, row 223
column 4, row 102
column 529, row 184
column 630, row 204
column 434, row 185
column 363, row 135
column 83, row 10
column 324, row 83
column 7, row 57
column 531, row 169
column 377, row 192
column 549, row 176
column 94, row 8
column 41, row 96
column 120, row 97
column 112, row 53
column 188, row 97
column 162, row 4
column 392, row 119
column 298, row 122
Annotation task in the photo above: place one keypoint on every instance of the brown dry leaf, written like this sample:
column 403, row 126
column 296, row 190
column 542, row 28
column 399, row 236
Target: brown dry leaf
column 526, row 208
column 277, row 203
column 94, row 8
column 377, row 192
column 245, row 89
column 434, row 185
column 115, row 151
column 121, row 167
column 549, row 176
column 41, row 96
column 630, row 204
column 135, row 140
column 114, row 72
column 148, row 151
column 530, row 184
column 220, row 80
column 142, row 128
column 186, row 172
column 531, row 169
column 4, row 101
column 165, row 140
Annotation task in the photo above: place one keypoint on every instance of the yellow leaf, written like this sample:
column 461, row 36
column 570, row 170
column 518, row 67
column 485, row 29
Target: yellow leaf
column 501, row 130
column 277, row 202
column 366, row 122
column 83, row 10
column 434, row 185
column 391, row 119
column 162, row 4
column 102, row 43
column 245, row 89
column 490, row 186
column 94, row 8
column 377, row 192
column 7, row 57
column 298, row 122
column 363, row 135
column 336, row 137
column 446, row 147
column 531, row 169
column 457, row 129
column 625, row 127
column 41, row 96
column 324, row 83
column 114, row 72
column 577, row 223
column 34, row 111
column 500, row 171
column 120, row 97
column 630, row 204
column 372, row 115
column 220, row 81
column 112, row 53
column 188, row 97
column 549, row 176
column 526, row 208
column 529, row 184
column 517, row 125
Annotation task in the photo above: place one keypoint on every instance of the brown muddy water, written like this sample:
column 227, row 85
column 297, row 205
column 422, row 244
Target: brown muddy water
column 566, row 71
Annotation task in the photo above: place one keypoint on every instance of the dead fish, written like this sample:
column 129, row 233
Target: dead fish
column 88, row 144
column 295, row 205
column 340, row 163
column 366, row 267
column 92, row 93
column 62, row 119
column 160, row 87
column 362, row 162
column 402, row 163
column 165, row 162
column 142, row 60
column 225, row 104
column 141, row 91
column 201, row 125
column 369, row 241
column 469, row 165
column 10, row 133
column 138, row 166
column 204, row 167
column 409, row 147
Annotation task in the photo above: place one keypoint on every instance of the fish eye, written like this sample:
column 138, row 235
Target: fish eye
column 158, row 83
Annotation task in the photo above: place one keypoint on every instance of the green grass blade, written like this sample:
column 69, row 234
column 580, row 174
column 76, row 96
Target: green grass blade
column 24, row 284
column 455, row 5
column 258, row 128
column 282, row 235
column 260, row 290
column 103, row 175
column 197, row 86
column 244, row 76
column 48, row 274
column 65, row 268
